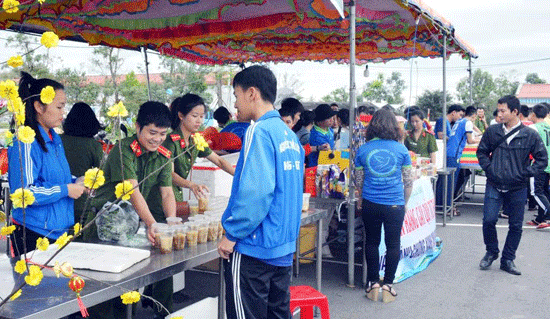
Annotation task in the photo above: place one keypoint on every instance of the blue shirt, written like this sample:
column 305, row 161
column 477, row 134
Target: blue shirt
column 457, row 139
column 439, row 127
column 317, row 137
column 382, row 161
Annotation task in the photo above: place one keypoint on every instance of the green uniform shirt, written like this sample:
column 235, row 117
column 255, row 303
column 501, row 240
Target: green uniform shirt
column 424, row 146
column 480, row 125
column 82, row 154
column 138, row 163
column 544, row 131
column 184, row 163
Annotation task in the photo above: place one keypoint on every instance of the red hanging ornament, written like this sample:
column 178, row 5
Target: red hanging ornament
column 76, row 284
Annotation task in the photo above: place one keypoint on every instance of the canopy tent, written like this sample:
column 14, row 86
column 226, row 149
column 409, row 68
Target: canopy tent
column 238, row 31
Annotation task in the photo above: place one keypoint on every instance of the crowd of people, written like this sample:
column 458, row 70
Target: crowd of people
column 262, row 221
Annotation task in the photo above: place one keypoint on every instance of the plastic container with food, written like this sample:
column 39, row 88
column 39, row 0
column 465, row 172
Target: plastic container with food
column 158, row 228
column 173, row 220
column 212, row 229
column 202, row 231
column 166, row 238
column 192, row 233
column 203, row 203
column 180, row 236
column 305, row 202
column 193, row 207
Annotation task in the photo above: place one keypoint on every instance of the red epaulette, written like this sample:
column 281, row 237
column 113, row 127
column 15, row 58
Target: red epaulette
column 307, row 149
column 176, row 137
column 164, row 151
column 136, row 148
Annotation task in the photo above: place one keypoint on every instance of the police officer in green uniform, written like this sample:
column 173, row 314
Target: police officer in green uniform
column 142, row 159
column 418, row 140
column 187, row 116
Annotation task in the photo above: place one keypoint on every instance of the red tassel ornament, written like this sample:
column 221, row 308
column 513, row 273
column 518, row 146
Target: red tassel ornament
column 76, row 284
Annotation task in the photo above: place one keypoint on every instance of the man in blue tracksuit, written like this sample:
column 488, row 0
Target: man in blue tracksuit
column 262, row 218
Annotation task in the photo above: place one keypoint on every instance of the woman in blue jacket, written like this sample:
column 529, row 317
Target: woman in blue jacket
column 42, row 168
column 387, row 186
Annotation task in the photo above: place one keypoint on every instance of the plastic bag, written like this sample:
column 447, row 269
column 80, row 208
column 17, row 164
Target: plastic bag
column 119, row 223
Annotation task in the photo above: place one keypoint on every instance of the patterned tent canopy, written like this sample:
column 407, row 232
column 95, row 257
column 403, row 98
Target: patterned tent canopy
column 235, row 31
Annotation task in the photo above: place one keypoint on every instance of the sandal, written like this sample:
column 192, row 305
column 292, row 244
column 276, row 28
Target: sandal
column 372, row 290
column 456, row 212
column 532, row 222
column 388, row 293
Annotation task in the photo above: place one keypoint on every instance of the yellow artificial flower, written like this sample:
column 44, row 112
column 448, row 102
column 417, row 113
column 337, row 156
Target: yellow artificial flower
column 124, row 190
column 49, row 39
column 67, row 269
column 35, row 276
column 16, row 295
column 41, row 1
column 7, row 230
column 11, row 6
column 57, row 269
column 26, row 134
column 118, row 110
column 199, row 141
column 2, row 216
column 22, row 198
column 130, row 297
column 47, row 95
column 8, row 136
column 77, row 227
column 15, row 61
column 20, row 118
column 63, row 240
column 8, row 89
column 94, row 178
column 42, row 243
column 20, row 266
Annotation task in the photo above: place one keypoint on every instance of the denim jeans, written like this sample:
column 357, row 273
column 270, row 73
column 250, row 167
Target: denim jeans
column 513, row 202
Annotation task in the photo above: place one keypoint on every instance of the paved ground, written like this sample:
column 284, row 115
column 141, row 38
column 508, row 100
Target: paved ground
column 451, row 287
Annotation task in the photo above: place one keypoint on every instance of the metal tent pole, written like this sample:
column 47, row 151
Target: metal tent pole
column 352, row 104
column 147, row 72
column 470, row 79
column 445, row 173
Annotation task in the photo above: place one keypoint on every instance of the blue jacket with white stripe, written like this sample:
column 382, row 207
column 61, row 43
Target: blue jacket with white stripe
column 264, row 210
column 46, row 174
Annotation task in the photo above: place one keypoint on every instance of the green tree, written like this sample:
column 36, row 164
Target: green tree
column 483, row 89
column 505, row 84
column 375, row 90
column 383, row 89
column 76, row 87
column 432, row 101
column 395, row 86
column 36, row 63
column 133, row 93
column 338, row 95
column 184, row 77
column 533, row 78
column 109, row 62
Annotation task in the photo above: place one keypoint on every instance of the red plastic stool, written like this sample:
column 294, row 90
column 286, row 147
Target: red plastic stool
column 306, row 298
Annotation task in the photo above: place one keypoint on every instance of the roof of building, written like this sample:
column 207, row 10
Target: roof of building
column 527, row 90
column 209, row 79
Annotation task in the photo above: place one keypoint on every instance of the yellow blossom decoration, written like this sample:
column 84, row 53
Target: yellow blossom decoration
column 11, row 6
column 63, row 240
column 41, row 1
column 35, row 276
column 77, row 228
column 67, row 269
column 26, row 134
column 15, row 61
column 57, row 269
column 47, row 94
column 2, row 216
column 124, row 190
column 42, row 243
column 49, row 39
column 16, row 295
column 199, row 141
column 130, row 297
column 8, row 89
column 20, row 266
column 7, row 230
column 22, row 198
column 118, row 110
column 8, row 136
column 94, row 178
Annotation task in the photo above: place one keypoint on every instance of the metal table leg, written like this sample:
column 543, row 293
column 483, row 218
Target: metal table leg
column 221, row 298
column 129, row 311
column 297, row 263
column 319, row 259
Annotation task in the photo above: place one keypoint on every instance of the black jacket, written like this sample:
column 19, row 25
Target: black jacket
column 508, row 166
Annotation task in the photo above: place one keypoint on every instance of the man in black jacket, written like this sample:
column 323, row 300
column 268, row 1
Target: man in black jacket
column 505, row 159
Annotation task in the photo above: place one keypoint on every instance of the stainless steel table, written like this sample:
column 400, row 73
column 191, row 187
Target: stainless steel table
column 53, row 298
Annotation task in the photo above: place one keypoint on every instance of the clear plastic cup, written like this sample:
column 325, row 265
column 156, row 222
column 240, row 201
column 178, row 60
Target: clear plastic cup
column 203, row 203
column 173, row 220
column 192, row 233
column 158, row 228
column 193, row 207
column 166, row 240
column 305, row 202
column 202, row 232
column 180, row 236
column 212, row 229
column 221, row 231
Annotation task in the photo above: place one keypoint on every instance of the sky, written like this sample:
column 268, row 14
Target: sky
column 508, row 36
